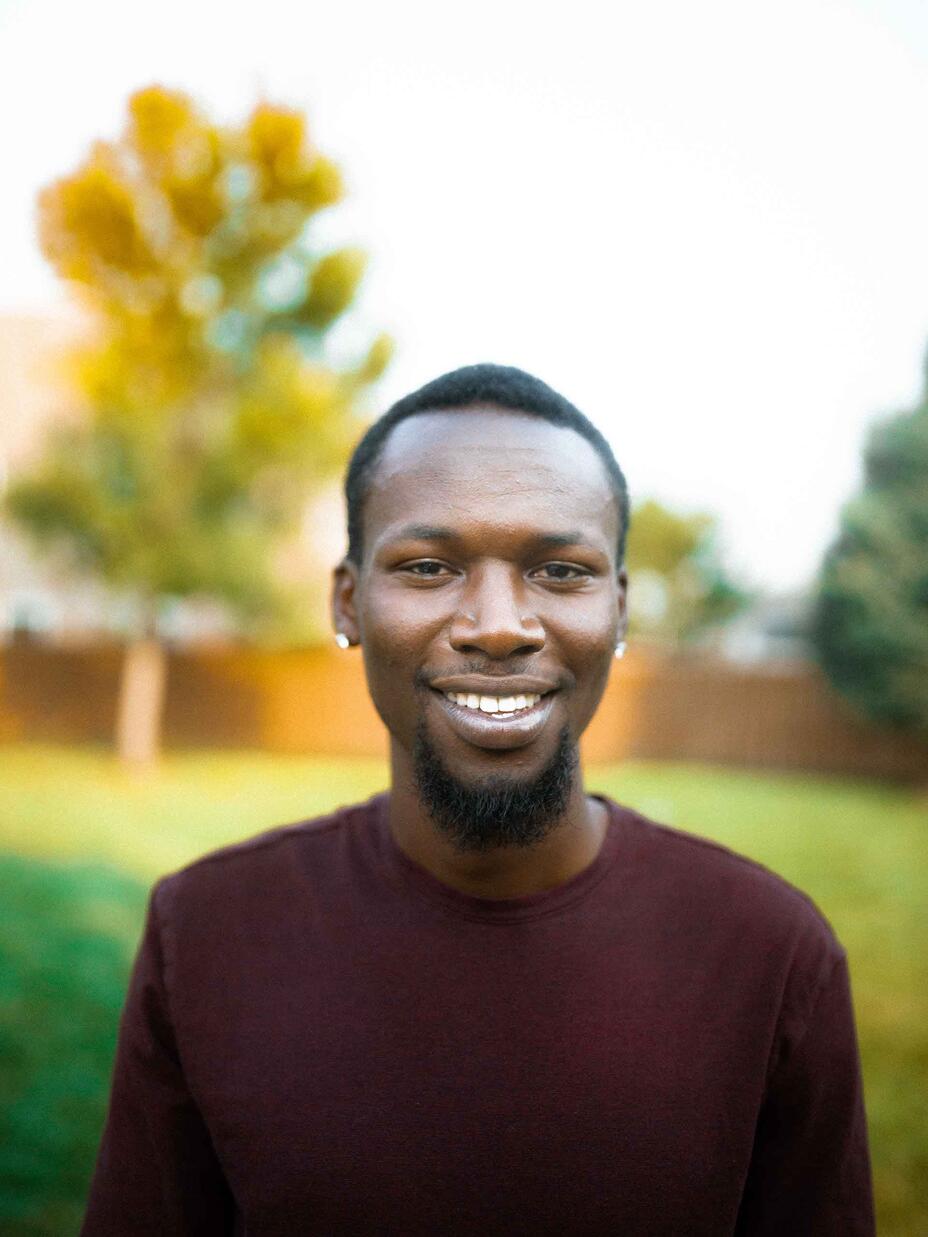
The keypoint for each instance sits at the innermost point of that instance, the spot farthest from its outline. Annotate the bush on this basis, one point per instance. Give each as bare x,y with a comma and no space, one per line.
67,937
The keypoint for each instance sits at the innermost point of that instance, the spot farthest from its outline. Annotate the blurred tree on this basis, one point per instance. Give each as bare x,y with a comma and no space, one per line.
210,412
870,624
679,586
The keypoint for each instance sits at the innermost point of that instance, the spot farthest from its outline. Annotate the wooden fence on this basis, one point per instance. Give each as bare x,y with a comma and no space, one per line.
676,708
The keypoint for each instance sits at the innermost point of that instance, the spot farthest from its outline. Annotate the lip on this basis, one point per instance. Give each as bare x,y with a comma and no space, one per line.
490,730
491,685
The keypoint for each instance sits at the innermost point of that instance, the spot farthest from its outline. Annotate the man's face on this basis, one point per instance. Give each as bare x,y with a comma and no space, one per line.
489,602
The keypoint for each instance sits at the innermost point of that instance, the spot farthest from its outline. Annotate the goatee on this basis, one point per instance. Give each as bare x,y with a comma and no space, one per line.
499,810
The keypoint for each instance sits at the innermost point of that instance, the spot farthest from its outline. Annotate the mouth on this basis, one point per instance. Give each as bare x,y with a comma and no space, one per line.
501,707
496,722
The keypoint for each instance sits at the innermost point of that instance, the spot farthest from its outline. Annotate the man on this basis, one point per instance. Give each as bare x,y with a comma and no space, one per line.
486,1003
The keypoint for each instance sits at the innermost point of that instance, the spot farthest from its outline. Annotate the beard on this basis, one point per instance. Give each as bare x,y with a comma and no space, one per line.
499,810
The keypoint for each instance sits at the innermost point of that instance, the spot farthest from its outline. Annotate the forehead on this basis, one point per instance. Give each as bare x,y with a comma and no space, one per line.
488,468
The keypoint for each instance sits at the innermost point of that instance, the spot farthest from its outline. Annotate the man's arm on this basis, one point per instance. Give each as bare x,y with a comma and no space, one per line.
810,1170
157,1172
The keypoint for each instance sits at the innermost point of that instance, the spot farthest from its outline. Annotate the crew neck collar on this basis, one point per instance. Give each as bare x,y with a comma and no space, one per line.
423,884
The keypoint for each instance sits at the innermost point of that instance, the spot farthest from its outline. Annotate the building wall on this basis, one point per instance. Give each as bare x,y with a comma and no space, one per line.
315,701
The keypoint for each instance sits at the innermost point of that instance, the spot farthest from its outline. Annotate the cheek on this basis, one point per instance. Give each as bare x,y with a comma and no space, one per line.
587,646
400,624
588,634
591,686
397,633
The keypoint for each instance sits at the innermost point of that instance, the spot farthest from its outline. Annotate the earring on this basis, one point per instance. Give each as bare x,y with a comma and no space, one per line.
620,649
342,640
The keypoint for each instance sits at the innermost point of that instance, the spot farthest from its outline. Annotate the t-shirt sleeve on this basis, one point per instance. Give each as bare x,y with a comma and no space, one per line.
810,1169
156,1172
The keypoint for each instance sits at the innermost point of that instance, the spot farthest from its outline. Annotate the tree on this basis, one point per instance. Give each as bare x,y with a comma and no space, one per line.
210,411
870,623
679,586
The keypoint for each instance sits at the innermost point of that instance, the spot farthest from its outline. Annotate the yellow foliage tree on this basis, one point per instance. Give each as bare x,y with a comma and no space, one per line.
210,409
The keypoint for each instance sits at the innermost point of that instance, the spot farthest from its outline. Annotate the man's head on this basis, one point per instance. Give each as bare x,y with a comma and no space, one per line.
472,386
484,582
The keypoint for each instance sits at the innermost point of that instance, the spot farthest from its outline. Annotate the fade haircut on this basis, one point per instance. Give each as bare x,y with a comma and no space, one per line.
472,386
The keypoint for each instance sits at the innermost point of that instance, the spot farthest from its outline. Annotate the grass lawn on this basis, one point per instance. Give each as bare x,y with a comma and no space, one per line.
856,847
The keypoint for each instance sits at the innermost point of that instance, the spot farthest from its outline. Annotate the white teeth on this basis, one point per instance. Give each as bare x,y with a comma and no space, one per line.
494,704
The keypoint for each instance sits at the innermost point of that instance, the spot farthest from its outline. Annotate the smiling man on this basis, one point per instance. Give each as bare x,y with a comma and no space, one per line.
486,1002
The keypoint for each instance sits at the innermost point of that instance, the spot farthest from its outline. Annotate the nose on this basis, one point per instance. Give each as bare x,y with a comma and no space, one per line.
492,617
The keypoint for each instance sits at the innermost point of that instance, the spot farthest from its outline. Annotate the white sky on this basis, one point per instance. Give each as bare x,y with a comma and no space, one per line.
704,222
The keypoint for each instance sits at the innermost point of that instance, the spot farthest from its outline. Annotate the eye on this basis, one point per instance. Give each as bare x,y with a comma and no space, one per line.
425,569
562,573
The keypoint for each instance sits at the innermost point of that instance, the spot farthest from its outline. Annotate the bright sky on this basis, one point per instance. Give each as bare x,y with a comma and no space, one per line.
706,224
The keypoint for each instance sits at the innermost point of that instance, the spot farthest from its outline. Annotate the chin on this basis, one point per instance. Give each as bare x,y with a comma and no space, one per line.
501,805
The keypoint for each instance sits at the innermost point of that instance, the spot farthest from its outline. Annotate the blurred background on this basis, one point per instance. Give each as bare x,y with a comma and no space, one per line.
229,238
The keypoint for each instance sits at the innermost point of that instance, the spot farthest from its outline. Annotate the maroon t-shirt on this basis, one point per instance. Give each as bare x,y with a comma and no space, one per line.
322,1038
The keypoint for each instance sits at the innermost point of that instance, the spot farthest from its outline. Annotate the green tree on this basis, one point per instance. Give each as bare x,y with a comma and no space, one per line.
678,583
870,623
209,410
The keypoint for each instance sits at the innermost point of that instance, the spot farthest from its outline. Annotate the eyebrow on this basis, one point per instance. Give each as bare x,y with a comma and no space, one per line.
425,532
436,532
574,537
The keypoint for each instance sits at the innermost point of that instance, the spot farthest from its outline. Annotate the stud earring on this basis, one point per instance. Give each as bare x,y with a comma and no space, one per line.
342,640
620,649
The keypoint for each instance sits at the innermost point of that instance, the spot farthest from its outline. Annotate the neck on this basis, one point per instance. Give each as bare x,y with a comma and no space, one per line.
571,844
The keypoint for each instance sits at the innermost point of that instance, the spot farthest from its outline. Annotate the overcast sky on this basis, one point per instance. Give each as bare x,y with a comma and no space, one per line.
704,223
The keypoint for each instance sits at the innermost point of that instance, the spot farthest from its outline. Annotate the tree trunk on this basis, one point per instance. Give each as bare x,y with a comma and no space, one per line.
141,700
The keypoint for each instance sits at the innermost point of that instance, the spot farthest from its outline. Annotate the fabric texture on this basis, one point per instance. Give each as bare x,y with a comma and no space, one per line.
322,1038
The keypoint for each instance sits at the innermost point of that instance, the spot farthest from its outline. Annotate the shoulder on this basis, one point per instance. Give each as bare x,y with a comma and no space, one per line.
706,888
703,871
263,866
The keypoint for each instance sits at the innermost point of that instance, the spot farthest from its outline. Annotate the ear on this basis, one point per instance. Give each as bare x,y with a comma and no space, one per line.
622,578
344,592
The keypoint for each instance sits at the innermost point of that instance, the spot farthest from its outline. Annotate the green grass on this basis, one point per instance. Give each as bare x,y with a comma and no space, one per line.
856,847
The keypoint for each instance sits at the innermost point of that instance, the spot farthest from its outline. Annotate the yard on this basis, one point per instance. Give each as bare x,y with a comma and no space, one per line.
80,840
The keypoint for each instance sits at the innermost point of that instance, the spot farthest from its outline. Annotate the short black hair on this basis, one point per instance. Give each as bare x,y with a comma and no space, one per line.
502,386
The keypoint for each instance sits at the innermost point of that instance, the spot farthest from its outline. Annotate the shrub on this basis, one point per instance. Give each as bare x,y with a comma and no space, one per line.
67,936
